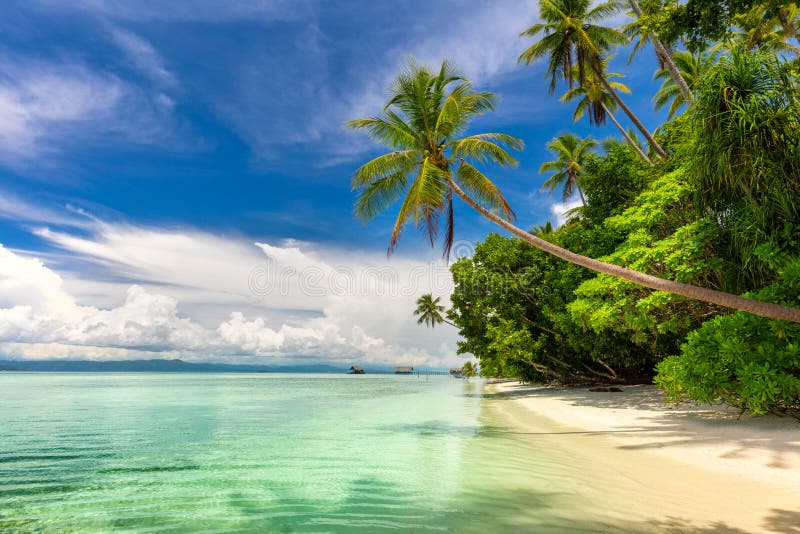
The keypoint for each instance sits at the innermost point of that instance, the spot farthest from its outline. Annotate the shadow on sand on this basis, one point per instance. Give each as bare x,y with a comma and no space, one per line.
682,424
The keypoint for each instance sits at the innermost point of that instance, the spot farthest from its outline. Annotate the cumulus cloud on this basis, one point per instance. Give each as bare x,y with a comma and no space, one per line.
202,296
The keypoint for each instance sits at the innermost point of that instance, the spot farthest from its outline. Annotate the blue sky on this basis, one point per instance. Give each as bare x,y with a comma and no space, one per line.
153,145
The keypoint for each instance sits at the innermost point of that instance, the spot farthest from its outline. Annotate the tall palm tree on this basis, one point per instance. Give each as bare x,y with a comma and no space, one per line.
570,153
571,36
593,98
666,59
692,67
430,311
428,163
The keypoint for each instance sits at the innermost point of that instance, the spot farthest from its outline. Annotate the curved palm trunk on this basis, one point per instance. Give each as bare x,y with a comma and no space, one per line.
630,141
728,300
666,57
580,194
656,147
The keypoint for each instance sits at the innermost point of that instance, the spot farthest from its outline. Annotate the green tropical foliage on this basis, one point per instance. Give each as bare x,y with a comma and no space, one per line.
719,210
704,217
741,359
543,230
767,28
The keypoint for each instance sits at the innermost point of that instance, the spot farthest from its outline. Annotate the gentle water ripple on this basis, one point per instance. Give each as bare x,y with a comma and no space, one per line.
237,453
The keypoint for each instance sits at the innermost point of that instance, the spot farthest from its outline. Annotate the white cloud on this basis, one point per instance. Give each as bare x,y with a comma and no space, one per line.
20,210
207,297
187,10
561,209
483,40
39,98
143,56
286,98
327,89
47,107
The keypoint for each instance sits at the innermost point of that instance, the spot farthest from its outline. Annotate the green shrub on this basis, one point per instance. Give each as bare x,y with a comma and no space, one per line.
741,359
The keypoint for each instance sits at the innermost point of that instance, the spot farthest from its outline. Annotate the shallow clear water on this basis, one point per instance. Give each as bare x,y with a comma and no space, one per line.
270,452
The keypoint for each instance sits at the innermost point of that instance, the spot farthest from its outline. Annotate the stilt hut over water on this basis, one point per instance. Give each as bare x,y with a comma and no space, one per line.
403,370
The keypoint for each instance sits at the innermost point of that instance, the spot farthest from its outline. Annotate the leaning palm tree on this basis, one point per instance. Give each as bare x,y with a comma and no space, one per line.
430,311
692,67
571,36
570,152
597,103
429,162
426,113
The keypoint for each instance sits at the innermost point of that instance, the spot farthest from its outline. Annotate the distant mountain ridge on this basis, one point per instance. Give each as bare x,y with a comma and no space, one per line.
162,366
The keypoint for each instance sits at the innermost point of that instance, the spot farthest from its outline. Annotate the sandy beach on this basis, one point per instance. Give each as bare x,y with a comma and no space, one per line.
691,468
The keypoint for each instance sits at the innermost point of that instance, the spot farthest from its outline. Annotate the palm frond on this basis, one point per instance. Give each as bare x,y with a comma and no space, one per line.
481,148
375,197
483,190
423,202
391,163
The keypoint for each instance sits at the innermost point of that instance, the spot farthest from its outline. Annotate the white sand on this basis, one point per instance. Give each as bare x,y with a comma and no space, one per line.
690,468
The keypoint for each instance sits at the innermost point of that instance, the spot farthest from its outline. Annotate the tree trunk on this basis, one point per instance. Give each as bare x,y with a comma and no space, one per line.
580,194
656,147
666,57
728,300
630,141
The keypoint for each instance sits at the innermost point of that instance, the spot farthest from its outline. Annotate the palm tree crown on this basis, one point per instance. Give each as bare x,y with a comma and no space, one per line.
571,37
692,67
430,311
570,152
593,97
422,123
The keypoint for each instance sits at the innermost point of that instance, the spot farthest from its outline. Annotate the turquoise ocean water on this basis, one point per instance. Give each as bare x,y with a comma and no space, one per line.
270,453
